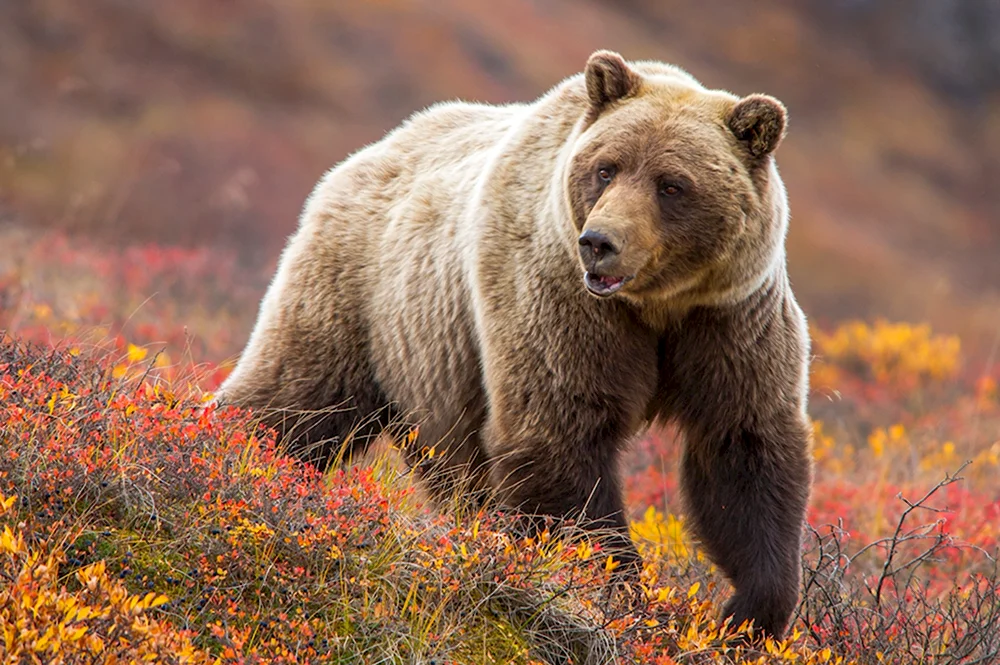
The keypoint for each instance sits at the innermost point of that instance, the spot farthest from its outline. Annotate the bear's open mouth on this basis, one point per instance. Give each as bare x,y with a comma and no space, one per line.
603,285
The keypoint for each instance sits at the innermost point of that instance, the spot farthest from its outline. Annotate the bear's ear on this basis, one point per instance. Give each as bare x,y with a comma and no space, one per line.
609,78
759,122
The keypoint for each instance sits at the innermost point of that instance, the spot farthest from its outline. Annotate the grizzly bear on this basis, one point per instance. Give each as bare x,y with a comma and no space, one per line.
533,285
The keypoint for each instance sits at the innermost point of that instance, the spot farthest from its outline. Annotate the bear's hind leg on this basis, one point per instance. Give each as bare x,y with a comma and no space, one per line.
315,386
318,425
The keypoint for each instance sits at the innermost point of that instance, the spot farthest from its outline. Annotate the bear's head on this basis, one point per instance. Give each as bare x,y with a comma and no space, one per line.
672,188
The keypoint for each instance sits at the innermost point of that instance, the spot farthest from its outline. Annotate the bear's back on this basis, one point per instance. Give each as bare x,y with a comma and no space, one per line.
447,140
384,230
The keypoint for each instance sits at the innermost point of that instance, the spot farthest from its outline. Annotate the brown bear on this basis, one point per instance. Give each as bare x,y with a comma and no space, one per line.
533,284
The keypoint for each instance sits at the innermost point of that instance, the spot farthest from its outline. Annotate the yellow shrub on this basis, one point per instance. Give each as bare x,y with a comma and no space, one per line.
661,537
43,622
889,352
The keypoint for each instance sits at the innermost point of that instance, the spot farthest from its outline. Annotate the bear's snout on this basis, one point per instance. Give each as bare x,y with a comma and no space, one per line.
597,248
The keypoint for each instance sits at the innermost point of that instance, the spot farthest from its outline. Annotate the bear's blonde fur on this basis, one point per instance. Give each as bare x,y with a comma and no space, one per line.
440,277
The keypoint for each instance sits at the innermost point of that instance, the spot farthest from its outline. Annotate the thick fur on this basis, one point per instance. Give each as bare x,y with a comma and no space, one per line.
437,279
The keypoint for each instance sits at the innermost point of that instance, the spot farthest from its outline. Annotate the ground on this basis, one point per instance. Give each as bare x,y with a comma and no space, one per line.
133,524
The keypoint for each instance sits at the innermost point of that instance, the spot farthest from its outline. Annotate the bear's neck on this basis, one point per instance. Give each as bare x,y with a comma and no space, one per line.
669,313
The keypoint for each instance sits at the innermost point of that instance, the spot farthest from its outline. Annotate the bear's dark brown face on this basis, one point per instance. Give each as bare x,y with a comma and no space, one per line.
671,185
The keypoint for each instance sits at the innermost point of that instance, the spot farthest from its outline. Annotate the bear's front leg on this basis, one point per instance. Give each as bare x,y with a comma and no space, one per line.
746,492
736,382
563,404
566,480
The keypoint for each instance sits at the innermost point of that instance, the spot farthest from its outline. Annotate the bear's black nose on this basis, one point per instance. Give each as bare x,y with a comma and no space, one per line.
595,246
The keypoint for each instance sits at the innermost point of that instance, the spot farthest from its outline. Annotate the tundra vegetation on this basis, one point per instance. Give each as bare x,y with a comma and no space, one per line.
136,526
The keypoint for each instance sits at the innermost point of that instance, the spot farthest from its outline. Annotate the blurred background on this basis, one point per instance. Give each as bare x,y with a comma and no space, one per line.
205,123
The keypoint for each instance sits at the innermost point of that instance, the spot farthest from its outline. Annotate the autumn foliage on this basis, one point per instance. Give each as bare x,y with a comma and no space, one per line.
137,526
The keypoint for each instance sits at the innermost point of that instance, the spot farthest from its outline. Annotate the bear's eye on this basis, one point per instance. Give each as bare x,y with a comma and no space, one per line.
606,174
670,190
